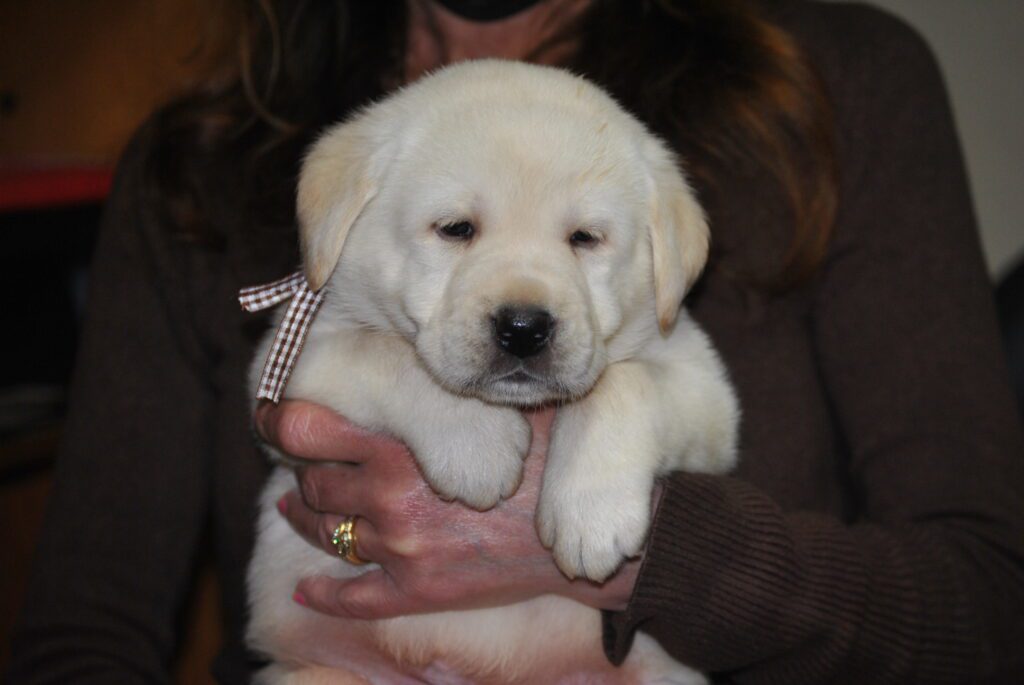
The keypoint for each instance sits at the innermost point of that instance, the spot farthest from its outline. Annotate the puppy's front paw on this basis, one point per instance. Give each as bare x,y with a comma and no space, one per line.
477,457
592,523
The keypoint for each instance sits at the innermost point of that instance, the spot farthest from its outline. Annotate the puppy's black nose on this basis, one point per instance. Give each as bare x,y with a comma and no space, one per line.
523,331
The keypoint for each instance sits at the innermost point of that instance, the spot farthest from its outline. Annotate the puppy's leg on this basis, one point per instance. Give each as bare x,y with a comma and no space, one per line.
653,666
468,450
669,408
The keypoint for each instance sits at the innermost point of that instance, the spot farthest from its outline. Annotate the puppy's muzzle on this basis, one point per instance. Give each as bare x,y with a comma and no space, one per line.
522,331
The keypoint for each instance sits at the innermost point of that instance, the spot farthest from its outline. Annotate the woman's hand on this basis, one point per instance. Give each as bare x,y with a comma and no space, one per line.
433,555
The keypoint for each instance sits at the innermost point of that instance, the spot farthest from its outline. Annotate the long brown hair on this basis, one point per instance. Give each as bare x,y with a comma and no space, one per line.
716,78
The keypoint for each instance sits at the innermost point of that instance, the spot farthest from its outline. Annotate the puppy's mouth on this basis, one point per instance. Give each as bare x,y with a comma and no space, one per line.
518,389
520,385
519,376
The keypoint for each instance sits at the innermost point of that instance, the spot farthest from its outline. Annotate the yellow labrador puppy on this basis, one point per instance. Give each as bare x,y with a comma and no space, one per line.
499,236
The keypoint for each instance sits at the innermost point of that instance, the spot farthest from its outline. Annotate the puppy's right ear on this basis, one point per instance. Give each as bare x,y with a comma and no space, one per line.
340,175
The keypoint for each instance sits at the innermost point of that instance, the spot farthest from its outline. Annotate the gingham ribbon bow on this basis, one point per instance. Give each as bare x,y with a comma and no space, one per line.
291,333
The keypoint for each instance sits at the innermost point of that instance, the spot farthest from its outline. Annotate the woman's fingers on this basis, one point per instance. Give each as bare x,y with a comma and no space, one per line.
378,489
373,595
318,529
335,489
312,431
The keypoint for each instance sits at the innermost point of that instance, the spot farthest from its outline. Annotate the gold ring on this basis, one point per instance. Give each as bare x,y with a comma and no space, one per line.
344,540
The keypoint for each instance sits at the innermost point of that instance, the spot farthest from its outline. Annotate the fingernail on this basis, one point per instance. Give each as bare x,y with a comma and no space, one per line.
300,598
259,422
282,505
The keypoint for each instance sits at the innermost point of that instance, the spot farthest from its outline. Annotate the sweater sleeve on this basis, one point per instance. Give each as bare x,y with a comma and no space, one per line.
128,504
926,583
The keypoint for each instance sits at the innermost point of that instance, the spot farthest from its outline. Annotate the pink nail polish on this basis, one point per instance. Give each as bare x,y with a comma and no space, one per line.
299,598
282,505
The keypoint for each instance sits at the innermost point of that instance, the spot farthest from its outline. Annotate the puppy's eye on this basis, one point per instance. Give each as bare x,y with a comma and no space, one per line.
583,239
459,230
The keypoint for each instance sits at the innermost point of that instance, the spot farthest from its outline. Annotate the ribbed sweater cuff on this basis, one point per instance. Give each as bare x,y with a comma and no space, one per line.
729,583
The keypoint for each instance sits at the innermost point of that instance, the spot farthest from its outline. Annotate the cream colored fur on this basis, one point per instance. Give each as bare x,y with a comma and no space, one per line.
403,344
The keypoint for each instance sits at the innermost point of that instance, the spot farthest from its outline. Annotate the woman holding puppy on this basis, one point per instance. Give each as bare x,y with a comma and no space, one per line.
874,530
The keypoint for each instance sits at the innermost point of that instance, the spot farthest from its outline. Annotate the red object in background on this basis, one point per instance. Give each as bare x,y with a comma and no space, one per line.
30,188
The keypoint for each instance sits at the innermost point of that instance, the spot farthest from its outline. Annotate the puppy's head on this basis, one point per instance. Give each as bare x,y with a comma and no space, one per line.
511,221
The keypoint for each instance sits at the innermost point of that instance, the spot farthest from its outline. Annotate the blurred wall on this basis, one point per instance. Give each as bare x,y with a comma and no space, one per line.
77,77
980,46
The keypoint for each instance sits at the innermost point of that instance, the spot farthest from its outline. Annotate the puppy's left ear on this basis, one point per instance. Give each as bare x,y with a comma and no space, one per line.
340,175
679,234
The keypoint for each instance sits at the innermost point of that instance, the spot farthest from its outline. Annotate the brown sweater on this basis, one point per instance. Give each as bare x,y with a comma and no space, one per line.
874,532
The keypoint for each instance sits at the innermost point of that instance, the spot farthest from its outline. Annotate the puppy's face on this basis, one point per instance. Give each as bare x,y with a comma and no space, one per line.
511,221
524,254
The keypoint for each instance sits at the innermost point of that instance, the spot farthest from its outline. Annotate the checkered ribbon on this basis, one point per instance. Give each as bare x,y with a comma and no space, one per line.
291,333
